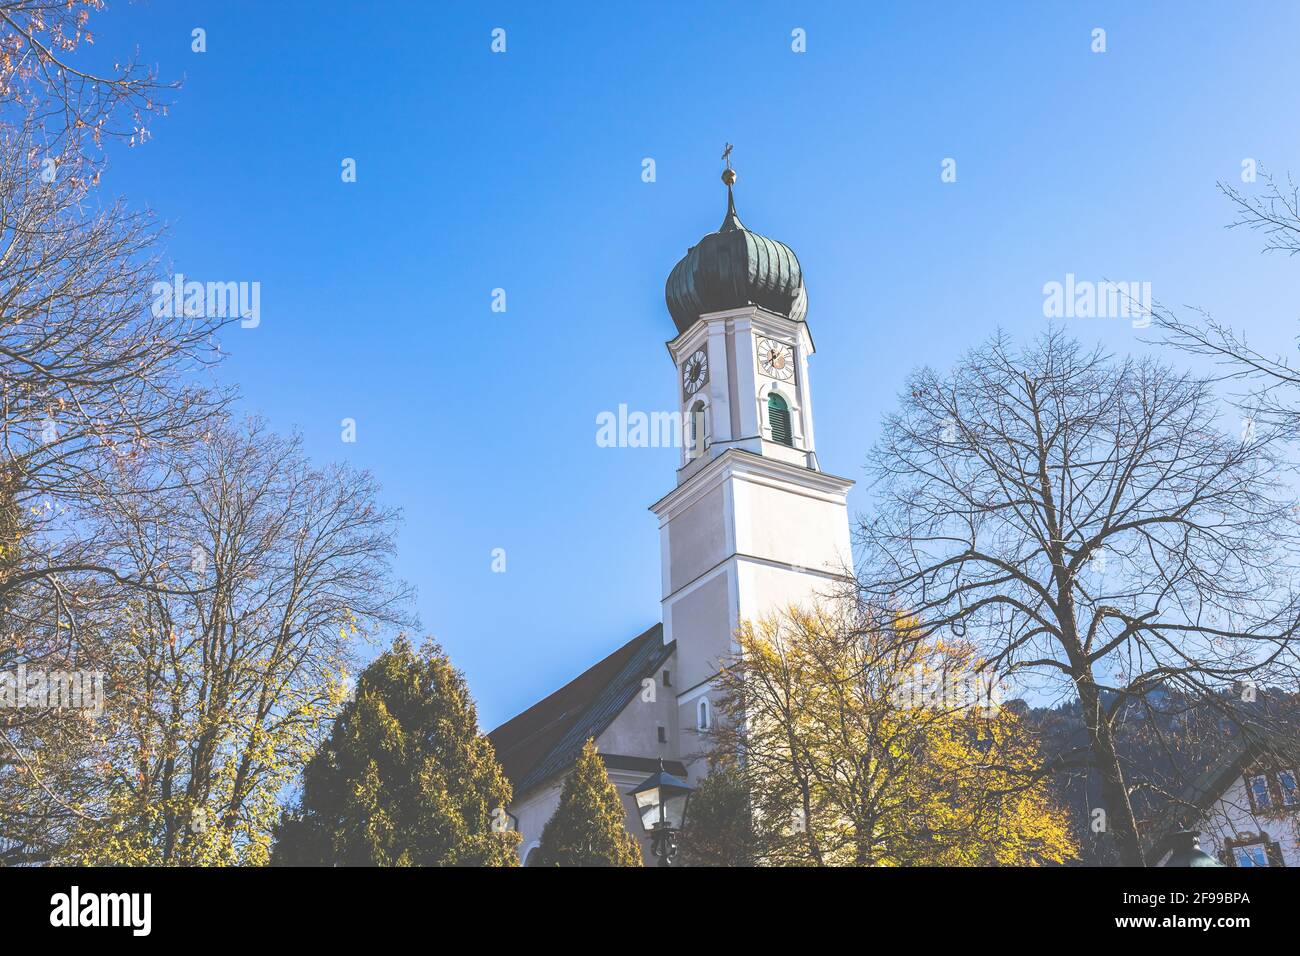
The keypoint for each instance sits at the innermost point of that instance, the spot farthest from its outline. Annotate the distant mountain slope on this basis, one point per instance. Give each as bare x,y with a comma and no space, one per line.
1166,743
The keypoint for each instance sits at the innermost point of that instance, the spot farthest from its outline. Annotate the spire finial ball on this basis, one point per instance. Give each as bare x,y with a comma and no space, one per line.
729,176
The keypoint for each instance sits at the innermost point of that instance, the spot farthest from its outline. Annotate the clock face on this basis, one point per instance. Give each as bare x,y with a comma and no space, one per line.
695,372
776,359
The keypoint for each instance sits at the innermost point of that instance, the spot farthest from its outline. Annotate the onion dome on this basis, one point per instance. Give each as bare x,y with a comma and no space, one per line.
734,267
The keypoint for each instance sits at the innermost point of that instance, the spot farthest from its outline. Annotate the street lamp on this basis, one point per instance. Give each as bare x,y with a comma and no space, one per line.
661,800
1188,852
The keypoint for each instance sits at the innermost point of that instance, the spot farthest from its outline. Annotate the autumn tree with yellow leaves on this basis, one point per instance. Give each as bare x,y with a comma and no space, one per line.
217,578
93,385
227,674
857,744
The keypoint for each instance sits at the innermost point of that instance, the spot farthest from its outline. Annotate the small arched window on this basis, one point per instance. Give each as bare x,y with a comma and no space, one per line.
697,432
702,716
778,419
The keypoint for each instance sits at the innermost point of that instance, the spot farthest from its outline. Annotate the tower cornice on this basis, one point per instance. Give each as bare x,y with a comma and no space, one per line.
766,321
758,469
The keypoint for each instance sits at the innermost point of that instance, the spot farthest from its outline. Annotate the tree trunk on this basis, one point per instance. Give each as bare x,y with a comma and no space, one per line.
1120,821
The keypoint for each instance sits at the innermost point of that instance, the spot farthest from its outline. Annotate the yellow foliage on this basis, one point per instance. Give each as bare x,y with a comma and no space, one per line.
846,765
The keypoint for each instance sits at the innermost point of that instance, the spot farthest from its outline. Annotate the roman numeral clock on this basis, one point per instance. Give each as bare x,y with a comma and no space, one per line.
776,359
695,373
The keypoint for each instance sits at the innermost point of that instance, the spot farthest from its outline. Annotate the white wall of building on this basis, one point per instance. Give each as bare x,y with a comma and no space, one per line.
1231,819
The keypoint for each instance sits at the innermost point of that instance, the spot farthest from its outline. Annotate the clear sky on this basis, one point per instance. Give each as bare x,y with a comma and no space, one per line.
523,171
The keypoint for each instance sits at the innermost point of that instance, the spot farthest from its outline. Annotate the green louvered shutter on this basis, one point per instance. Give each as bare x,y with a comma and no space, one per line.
778,417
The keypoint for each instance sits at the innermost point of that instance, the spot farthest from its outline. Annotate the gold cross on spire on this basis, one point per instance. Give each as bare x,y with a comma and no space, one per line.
728,174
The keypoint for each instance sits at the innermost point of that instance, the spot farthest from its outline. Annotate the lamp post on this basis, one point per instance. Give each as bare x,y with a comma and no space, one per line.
1188,852
661,801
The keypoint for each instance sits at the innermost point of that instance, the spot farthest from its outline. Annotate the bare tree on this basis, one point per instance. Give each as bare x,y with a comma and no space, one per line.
1272,380
1084,522
92,381
76,108
263,573
90,376
1273,211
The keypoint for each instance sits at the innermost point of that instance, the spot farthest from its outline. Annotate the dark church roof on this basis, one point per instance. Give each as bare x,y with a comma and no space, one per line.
546,738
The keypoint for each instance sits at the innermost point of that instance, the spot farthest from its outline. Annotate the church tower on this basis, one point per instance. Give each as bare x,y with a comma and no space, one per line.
754,525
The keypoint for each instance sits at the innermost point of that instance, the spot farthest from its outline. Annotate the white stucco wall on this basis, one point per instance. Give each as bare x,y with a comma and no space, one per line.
702,621
532,813
761,534
635,731
699,540
792,526
1231,818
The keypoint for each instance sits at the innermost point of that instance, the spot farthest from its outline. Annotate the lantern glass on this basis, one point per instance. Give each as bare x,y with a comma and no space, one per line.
648,805
661,801
674,805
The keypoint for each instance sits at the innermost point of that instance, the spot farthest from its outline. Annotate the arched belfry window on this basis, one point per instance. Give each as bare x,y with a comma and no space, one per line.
702,715
778,419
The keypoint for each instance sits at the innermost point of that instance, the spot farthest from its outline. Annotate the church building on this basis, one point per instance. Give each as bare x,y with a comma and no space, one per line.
752,526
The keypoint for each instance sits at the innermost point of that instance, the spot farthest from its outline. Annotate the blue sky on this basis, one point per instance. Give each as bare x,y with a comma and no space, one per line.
522,171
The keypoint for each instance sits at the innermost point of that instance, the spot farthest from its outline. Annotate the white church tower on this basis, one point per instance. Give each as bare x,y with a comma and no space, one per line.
754,525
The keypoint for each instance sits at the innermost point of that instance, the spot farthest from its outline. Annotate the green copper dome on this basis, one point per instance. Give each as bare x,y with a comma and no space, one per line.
734,267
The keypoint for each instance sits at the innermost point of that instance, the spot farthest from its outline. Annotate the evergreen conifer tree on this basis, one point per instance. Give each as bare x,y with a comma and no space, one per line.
587,828
405,779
